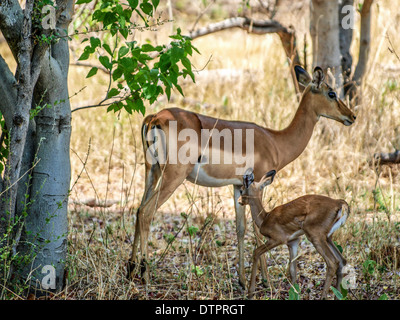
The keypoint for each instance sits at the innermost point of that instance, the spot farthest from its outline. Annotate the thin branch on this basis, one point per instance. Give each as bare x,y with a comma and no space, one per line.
89,65
391,48
202,14
260,27
252,26
102,104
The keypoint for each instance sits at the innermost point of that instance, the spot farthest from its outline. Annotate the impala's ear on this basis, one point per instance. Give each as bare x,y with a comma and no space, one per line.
248,178
302,76
318,76
267,179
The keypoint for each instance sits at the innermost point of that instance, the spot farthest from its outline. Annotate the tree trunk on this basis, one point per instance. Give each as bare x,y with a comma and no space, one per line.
353,86
324,30
365,39
51,176
345,38
42,197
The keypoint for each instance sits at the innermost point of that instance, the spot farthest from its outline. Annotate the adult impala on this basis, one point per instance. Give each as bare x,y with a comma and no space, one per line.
271,150
318,217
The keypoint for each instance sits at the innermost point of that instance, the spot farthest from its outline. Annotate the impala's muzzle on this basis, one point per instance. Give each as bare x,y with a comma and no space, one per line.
350,120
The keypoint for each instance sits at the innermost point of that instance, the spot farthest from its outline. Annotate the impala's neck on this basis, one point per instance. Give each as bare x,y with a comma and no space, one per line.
294,139
257,210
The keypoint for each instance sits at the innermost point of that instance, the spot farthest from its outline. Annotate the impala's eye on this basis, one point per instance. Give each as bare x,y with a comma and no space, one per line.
332,95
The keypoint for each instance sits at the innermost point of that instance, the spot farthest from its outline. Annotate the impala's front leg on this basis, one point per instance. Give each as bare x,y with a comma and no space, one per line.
293,249
240,231
263,261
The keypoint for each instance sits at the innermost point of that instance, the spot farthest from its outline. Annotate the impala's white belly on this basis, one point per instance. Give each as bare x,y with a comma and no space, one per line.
200,177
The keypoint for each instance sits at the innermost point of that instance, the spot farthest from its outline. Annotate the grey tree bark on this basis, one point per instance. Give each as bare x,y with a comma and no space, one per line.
43,192
365,39
345,39
324,31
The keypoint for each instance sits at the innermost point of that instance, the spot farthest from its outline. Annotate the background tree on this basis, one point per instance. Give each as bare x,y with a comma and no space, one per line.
36,130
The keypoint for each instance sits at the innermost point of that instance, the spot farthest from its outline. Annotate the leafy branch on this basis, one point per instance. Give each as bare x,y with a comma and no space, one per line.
138,73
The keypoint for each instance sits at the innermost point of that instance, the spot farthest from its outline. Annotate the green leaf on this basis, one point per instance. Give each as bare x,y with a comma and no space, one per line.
133,3
338,246
129,65
197,270
95,42
92,72
383,297
105,62
130,104
122,51
150,92
148,48
128,108
186,63
140,106
83,1
168,92
177,86
192,230
117,73
176,37
112,93
155,3
124,32
294,292
84,56
131,44
369,266
337,293
109,18
107,48
176,54
147,8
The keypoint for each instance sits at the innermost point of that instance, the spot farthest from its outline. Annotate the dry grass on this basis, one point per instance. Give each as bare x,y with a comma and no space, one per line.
203,266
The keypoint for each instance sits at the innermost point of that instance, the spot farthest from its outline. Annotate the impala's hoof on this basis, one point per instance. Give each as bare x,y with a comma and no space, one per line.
130,268
132,272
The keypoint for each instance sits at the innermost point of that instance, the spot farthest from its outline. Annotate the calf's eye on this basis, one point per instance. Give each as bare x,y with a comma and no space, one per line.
332,95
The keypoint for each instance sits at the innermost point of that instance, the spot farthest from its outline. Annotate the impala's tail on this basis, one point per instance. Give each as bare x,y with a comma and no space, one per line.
145,129
341,217
154,141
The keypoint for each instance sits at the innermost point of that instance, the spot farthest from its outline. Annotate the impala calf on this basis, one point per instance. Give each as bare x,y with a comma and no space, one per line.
272,150
318,217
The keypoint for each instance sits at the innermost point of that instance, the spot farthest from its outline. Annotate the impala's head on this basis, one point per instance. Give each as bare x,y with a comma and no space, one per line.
323,98
251,189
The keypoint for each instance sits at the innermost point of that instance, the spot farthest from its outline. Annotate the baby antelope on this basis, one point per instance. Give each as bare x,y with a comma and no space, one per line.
318,217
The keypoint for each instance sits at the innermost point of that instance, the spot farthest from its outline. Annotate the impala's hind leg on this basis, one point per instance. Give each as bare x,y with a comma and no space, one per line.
160,184
152,175
342,263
